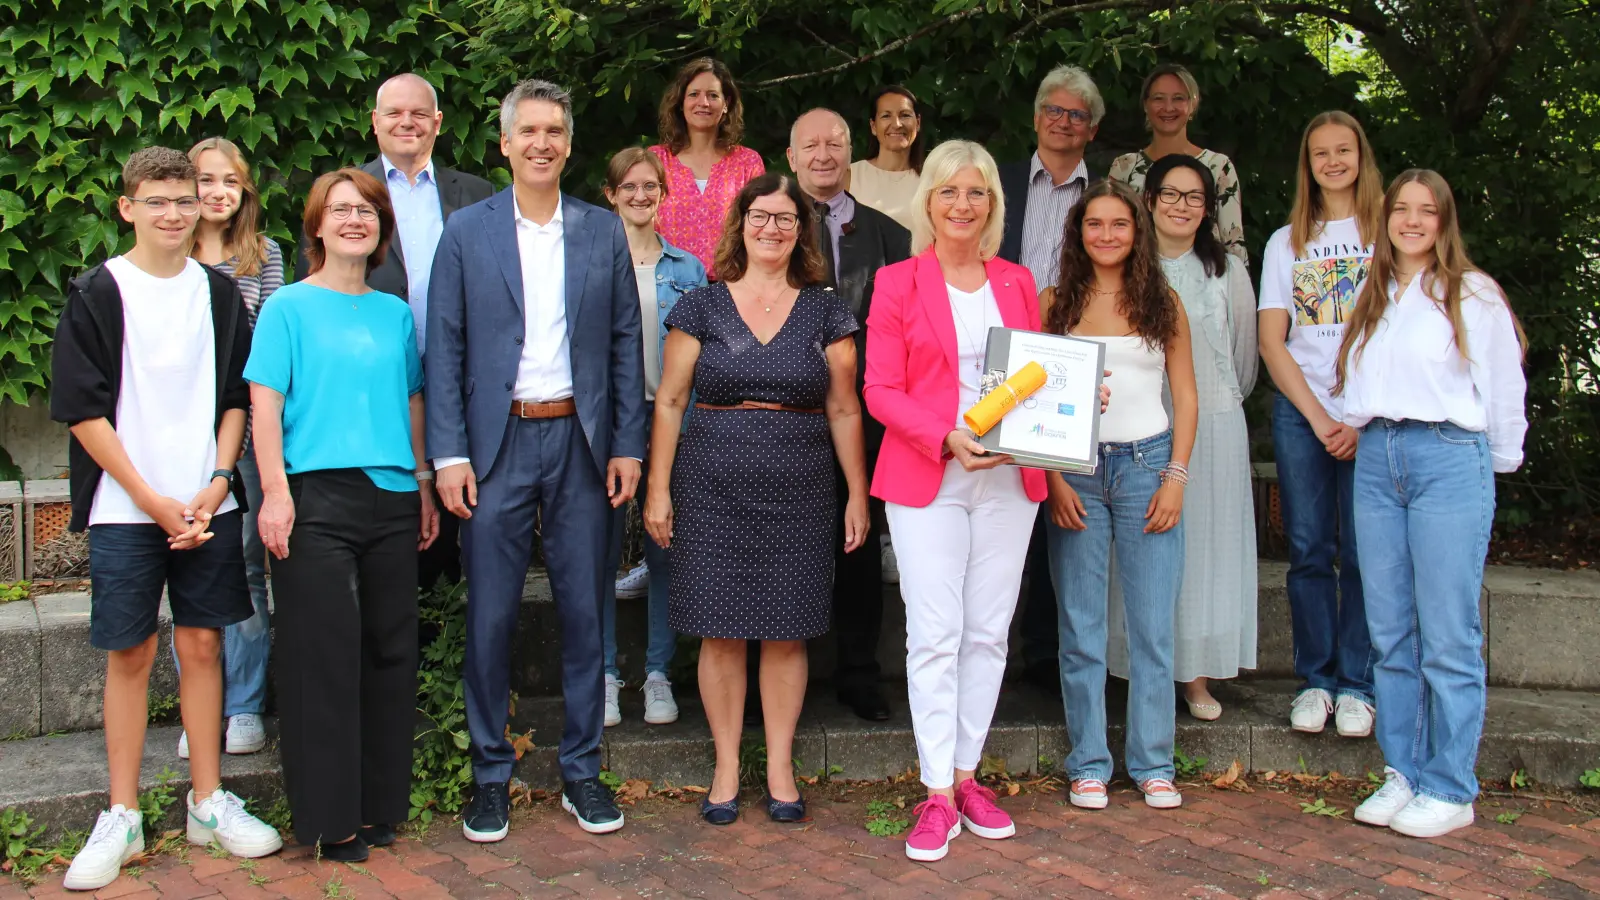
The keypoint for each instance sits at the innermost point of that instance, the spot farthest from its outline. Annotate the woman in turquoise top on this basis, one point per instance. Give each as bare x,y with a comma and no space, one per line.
336,388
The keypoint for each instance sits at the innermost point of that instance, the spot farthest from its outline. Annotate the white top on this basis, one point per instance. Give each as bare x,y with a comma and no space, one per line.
1318,289
1138,372
974,313
891,193
650,318
545,371
701,184
167,404
1412,369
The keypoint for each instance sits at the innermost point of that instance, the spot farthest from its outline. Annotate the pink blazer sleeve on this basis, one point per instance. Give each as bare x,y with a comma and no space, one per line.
893,302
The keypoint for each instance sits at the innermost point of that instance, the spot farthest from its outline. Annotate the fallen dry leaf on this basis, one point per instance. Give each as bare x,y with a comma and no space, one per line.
522,743
1226,779
633,790
1013,789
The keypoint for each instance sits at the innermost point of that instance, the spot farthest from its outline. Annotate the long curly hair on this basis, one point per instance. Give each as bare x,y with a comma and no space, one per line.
1147,300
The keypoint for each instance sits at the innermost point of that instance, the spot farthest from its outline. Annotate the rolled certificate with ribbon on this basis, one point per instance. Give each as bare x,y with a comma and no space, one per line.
987,413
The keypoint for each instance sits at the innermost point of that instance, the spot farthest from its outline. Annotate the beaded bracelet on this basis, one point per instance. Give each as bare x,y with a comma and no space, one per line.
1175,471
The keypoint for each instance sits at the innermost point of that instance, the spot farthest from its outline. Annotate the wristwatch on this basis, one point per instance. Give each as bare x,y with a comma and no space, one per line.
222,473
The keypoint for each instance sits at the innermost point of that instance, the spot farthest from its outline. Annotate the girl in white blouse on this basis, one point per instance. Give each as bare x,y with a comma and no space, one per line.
1431,374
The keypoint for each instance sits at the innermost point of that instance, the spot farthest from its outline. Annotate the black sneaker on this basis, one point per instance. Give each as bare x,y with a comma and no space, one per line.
488,816
593,804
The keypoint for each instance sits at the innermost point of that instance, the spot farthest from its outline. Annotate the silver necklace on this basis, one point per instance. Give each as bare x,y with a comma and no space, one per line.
983,329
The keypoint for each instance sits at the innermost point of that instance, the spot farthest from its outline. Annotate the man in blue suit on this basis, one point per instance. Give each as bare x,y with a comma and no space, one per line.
535,396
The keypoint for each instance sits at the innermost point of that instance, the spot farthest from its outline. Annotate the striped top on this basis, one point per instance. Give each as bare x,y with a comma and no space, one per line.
256,289
1046,215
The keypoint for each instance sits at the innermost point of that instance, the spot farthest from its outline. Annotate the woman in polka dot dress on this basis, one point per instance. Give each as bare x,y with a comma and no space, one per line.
745,504
702,120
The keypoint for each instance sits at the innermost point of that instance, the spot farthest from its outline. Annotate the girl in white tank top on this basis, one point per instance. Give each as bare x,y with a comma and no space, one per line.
1112,290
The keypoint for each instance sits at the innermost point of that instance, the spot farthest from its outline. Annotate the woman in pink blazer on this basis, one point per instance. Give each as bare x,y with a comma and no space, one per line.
960,517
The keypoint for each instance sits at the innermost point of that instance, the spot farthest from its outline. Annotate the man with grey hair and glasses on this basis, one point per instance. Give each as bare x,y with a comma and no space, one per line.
1040,191
535,416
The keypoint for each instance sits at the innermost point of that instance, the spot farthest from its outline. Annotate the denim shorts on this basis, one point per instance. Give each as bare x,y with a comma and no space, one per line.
130,564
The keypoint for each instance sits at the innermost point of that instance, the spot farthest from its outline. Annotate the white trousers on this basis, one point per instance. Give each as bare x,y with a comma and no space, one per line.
960,562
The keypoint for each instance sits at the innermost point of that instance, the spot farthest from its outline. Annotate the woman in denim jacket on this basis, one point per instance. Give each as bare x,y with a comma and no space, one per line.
635,185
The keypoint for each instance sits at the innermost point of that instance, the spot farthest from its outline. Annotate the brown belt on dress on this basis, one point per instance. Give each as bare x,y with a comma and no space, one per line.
759,404
555,409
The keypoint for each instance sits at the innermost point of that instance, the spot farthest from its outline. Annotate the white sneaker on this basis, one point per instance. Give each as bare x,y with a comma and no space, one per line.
1381,808
118,836
613,701
183,745
1427,817
659,706
891,565
1352,717
245,734
1310,711
221,817
635,584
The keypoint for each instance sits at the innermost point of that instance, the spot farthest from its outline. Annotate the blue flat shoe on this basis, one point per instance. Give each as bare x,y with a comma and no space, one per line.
724,813
786,811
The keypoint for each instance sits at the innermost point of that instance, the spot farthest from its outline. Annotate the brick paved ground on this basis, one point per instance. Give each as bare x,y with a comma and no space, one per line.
1221,844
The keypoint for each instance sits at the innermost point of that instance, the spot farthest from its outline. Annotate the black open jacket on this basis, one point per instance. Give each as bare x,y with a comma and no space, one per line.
86,368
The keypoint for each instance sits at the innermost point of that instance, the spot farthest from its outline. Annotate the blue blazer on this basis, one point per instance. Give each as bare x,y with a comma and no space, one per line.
475,332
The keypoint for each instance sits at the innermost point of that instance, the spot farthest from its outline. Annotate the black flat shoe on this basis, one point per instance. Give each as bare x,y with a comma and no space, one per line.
866,701
378,835
785,811
724,813
351,851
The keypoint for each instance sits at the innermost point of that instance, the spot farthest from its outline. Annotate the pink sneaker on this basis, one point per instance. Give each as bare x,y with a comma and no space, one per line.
979,813
937,823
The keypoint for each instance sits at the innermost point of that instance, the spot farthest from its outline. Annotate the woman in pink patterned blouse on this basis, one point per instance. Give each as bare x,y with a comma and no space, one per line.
702,120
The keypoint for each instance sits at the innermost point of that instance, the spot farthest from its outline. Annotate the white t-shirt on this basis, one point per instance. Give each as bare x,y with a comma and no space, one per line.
1318,289
974,313
650,319
167,404
1412,369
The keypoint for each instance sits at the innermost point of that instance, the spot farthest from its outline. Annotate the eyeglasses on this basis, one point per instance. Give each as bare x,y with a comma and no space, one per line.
628,188
975,196
758,218
1191,199
342,211
158,206
1054,113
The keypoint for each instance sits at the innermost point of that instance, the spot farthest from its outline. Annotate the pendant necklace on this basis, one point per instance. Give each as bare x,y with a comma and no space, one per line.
977,363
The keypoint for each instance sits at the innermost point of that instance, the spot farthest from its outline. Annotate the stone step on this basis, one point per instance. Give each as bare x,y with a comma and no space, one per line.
1553,735
1540,628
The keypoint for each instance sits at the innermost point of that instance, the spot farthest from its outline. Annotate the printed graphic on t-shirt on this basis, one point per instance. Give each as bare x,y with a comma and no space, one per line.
1325,289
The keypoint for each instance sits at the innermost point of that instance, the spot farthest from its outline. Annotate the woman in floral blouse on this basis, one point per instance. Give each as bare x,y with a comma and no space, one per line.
1171,97
702,120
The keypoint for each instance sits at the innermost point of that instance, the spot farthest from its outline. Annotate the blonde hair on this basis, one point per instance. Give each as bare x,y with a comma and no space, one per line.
942,165
1178,72
1309,212
1442,277
242,237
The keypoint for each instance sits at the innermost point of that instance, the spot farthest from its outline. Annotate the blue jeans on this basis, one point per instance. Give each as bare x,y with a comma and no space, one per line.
246,646
1425,497
1150,571
1332,649
662,641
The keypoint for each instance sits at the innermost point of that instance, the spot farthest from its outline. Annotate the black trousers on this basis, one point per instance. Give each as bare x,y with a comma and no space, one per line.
857,601
347,653
1041,641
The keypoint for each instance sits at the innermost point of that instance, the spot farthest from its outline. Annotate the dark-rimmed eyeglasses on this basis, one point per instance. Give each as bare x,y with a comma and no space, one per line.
1191,199
1054,113
758,218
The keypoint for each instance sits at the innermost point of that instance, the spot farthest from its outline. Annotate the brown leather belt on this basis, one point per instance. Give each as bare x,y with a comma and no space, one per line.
758,404
555,409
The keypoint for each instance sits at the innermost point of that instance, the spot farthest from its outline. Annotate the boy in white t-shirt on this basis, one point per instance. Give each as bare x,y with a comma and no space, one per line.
148,371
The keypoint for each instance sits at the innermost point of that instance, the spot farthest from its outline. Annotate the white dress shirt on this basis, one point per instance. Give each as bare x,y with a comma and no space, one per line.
1411,368
544,373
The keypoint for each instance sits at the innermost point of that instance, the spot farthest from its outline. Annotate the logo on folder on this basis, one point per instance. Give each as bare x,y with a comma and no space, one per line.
1066,409
1038,430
